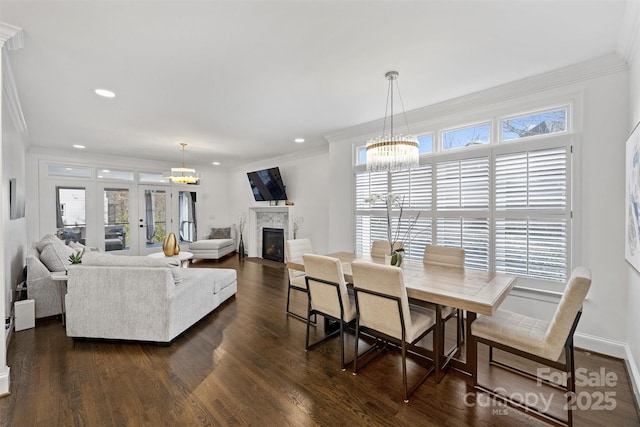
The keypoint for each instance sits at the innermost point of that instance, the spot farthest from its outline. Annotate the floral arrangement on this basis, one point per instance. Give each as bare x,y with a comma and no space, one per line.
297,223
391,201
242,220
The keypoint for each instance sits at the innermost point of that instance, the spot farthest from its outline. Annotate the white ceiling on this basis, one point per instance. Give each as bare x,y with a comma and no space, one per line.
239,80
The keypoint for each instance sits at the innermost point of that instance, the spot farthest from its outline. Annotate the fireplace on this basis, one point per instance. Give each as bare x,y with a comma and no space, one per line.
273,244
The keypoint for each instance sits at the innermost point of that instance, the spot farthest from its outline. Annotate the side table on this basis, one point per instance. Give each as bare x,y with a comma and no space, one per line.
184,257
61,278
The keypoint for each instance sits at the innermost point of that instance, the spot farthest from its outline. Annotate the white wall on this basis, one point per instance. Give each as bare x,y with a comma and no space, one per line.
12,142
599,90
306,177
15,230
631,276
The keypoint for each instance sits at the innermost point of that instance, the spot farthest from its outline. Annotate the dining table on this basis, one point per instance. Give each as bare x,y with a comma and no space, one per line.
475,291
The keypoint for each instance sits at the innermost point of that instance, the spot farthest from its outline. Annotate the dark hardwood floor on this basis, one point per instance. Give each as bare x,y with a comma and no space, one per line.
245,364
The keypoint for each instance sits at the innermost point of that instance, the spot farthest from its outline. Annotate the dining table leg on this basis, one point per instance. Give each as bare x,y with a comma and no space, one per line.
438,350
472,351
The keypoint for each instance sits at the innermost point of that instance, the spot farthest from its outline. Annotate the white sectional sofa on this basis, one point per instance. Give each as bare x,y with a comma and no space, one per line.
141,298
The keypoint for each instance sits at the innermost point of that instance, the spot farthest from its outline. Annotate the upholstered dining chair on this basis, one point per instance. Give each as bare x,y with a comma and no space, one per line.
328,297
538,340
380,248
444,256
383,310
294,249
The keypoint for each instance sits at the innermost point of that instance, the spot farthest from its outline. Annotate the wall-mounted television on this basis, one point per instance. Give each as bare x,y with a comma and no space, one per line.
267,184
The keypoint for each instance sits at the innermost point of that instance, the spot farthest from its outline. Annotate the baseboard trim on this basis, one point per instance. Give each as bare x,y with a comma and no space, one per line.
601,345
634,376
614,349
4,381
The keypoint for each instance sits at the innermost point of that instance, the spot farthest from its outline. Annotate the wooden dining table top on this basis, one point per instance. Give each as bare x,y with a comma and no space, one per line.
472,290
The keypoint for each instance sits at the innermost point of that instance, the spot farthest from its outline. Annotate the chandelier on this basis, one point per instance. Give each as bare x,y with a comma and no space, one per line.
390,152
183,175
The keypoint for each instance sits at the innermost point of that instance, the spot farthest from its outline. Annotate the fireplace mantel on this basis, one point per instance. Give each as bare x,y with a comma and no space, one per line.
266,216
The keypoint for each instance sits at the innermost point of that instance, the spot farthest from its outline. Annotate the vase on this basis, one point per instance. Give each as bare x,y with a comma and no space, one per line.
241,249
170,245
395,258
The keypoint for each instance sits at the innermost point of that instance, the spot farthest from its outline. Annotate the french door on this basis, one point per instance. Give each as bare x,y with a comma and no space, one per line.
154,217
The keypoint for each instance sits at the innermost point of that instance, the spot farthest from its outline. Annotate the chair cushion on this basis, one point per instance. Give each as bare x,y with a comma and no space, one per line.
220,233
56,256
421,319
514,330
211,244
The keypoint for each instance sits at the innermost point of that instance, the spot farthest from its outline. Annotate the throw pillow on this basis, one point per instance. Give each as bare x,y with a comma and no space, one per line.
56,257
48,238
220,233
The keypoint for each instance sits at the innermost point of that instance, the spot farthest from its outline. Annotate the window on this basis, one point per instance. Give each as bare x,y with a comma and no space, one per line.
507,205
69,171
532,213
116,175
187,216
466,137
546,122
116,219
71,213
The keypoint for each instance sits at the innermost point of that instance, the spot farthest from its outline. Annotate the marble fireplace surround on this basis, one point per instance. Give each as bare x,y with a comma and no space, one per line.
267,216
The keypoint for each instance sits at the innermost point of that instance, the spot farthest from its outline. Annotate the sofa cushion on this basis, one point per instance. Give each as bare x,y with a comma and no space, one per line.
48,238
220,233
79,246
56,256
109,260
224,278
211,244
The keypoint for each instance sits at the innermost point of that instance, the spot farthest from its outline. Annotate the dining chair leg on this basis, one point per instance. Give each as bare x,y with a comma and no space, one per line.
404,371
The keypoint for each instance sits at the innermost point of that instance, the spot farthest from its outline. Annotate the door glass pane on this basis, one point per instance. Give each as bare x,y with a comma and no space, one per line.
70,213
116,219
155,217
187,216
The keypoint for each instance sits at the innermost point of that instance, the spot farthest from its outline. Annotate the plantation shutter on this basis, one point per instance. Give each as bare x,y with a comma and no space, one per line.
532,213
463,198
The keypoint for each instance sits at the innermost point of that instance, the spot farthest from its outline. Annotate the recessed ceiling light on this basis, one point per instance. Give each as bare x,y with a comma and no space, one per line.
68,169
104,92
78,146
105,170
298,140
216,163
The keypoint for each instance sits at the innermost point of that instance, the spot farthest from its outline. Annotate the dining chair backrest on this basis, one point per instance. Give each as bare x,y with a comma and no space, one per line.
570,304
324,297
444,256
380,248
375,312
294,249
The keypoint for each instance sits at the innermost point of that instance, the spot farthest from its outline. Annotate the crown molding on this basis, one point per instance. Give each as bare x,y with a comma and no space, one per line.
11,100
11,36
628,36
575,73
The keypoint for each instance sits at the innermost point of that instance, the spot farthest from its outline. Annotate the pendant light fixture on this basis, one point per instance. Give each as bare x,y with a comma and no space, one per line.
390,152
183,175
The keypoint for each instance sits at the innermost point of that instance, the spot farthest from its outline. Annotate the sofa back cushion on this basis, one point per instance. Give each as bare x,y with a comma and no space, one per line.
109,260
220,233
55,256
47,239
